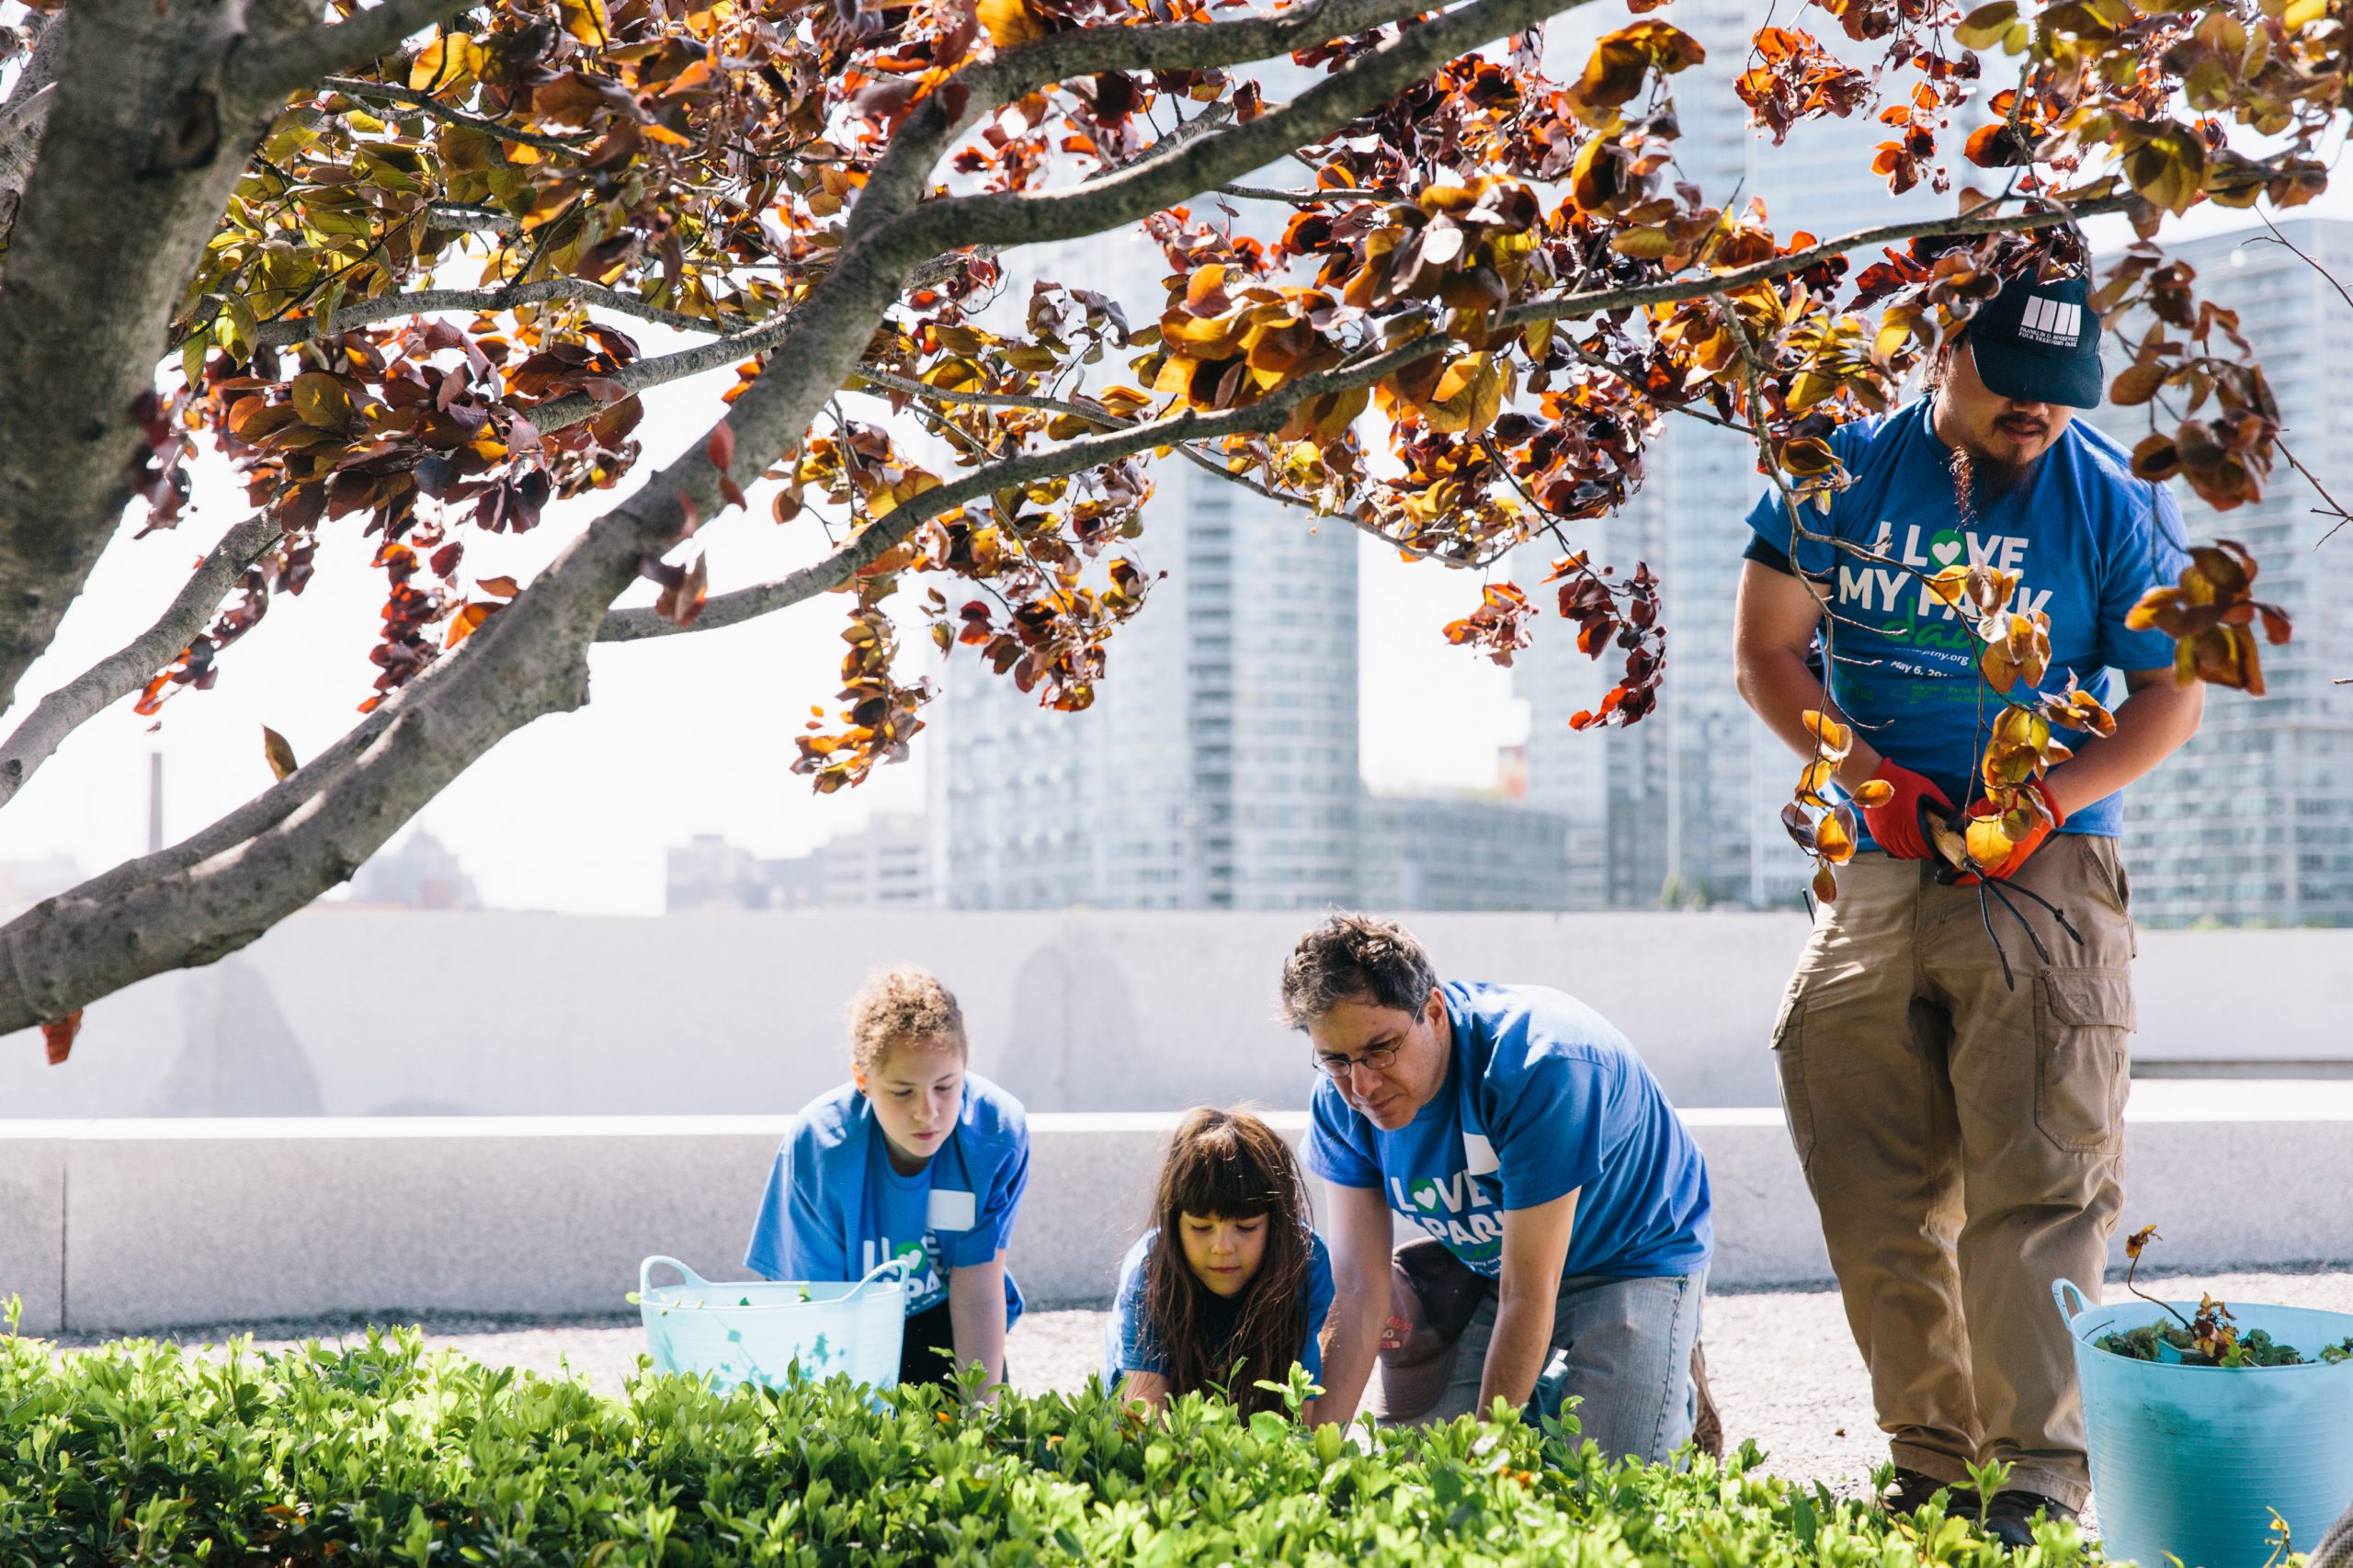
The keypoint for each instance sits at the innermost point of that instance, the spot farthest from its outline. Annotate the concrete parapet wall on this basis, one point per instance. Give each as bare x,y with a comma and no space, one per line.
148,1224
545,1014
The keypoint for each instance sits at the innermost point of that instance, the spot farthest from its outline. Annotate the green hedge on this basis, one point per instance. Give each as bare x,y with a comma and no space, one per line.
382,1453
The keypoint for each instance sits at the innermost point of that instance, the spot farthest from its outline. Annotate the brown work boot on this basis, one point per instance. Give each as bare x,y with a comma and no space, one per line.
1914,1490
1708,1429
2010,1517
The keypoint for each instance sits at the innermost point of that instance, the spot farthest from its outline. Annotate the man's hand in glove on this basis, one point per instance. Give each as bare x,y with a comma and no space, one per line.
1894,822
1986,835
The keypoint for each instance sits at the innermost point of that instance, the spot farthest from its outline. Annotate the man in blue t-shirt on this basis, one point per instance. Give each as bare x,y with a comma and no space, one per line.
1952,1054
1568,1207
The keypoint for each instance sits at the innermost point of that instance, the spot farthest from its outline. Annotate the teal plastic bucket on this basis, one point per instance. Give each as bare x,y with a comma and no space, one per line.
761,1331
2191,1461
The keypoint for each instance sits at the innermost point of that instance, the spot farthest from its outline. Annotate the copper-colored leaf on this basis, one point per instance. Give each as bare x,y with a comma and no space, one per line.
57,1035
1834,837
1988,844
277,751
1832,739
469,620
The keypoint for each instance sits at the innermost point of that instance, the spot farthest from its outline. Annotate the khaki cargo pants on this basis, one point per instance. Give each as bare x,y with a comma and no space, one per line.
1964,1143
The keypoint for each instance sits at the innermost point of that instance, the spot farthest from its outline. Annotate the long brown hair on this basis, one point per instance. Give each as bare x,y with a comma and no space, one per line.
1231,1164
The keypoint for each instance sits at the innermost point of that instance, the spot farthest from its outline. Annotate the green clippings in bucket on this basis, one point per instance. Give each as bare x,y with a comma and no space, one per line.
2160,1342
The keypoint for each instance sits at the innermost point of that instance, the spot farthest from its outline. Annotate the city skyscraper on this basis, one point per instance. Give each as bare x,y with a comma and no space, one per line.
1218,767
1684,804
2253,820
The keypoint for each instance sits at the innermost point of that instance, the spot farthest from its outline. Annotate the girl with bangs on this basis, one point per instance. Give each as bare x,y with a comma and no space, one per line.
1244,1293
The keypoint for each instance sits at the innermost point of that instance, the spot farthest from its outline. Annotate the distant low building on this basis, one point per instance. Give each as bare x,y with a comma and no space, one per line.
708,872
885,865
1468,852
423,873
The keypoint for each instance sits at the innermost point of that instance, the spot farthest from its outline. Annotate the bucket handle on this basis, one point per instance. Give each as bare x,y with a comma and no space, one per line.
896,1267
645,1273
2060,1291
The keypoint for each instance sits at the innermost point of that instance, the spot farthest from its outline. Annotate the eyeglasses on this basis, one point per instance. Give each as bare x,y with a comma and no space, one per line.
1381,1058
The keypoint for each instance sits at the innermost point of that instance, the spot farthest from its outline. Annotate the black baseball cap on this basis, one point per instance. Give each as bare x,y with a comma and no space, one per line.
2039,342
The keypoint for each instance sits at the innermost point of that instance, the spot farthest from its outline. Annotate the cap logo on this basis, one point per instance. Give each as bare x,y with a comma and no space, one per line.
2058,322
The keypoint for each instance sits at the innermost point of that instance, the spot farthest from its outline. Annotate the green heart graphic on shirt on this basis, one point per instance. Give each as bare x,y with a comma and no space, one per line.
1947,547
1424,1194
911,1252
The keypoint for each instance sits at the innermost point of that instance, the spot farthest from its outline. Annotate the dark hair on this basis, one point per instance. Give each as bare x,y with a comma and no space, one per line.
1354,958
1232,1165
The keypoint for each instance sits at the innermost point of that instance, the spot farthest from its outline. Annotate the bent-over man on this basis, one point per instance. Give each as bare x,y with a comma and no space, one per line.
1566,1208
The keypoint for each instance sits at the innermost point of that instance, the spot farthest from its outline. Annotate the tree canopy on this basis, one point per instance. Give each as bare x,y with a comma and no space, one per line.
388,260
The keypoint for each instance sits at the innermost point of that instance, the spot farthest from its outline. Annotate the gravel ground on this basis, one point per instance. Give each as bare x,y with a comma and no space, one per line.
1783,1368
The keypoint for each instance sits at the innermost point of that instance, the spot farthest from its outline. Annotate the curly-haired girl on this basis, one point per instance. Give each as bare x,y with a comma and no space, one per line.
915,1158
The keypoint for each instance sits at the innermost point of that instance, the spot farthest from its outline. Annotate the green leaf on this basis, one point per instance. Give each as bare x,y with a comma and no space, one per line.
1986,26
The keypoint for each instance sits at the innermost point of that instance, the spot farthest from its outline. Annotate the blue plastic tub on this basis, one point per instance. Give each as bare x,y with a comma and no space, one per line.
2191,1461
762,1331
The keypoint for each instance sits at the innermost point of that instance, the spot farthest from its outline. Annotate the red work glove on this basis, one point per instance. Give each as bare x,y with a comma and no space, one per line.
1894,822
2021,853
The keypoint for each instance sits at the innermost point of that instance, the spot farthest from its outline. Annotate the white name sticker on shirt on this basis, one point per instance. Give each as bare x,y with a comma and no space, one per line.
1478,1155
951,1210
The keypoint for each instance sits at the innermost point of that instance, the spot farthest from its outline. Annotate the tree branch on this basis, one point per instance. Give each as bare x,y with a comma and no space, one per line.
839,568
487,220
389,93
128,668
1176,46
1311,198
288,64
1598,300
256,816
388,307
1094,413
531,658
211,895
562,413
1010,218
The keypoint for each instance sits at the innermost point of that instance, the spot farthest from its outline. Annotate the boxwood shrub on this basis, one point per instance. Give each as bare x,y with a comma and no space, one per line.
137,1452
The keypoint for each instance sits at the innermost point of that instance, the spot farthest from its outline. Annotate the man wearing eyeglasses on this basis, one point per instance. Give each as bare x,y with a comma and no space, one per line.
1565,1207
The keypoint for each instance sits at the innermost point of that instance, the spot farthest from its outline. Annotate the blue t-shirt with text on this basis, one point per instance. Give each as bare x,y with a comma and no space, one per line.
1542,1097
1130,1344
2086,538
835,1207
898,1223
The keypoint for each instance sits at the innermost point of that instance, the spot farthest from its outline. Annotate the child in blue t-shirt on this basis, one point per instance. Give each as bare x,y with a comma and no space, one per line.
915,1158
1243,1292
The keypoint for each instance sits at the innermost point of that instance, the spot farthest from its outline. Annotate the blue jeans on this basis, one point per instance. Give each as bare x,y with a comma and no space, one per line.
1628,1349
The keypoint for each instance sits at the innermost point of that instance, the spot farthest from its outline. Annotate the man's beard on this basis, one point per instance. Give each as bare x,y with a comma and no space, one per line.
1979,480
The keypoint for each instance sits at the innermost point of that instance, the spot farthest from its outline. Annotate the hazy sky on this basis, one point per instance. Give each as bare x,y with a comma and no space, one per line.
682,735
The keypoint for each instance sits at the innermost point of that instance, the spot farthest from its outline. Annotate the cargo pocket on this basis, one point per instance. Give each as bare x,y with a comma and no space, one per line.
1788,1064
2082,1017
